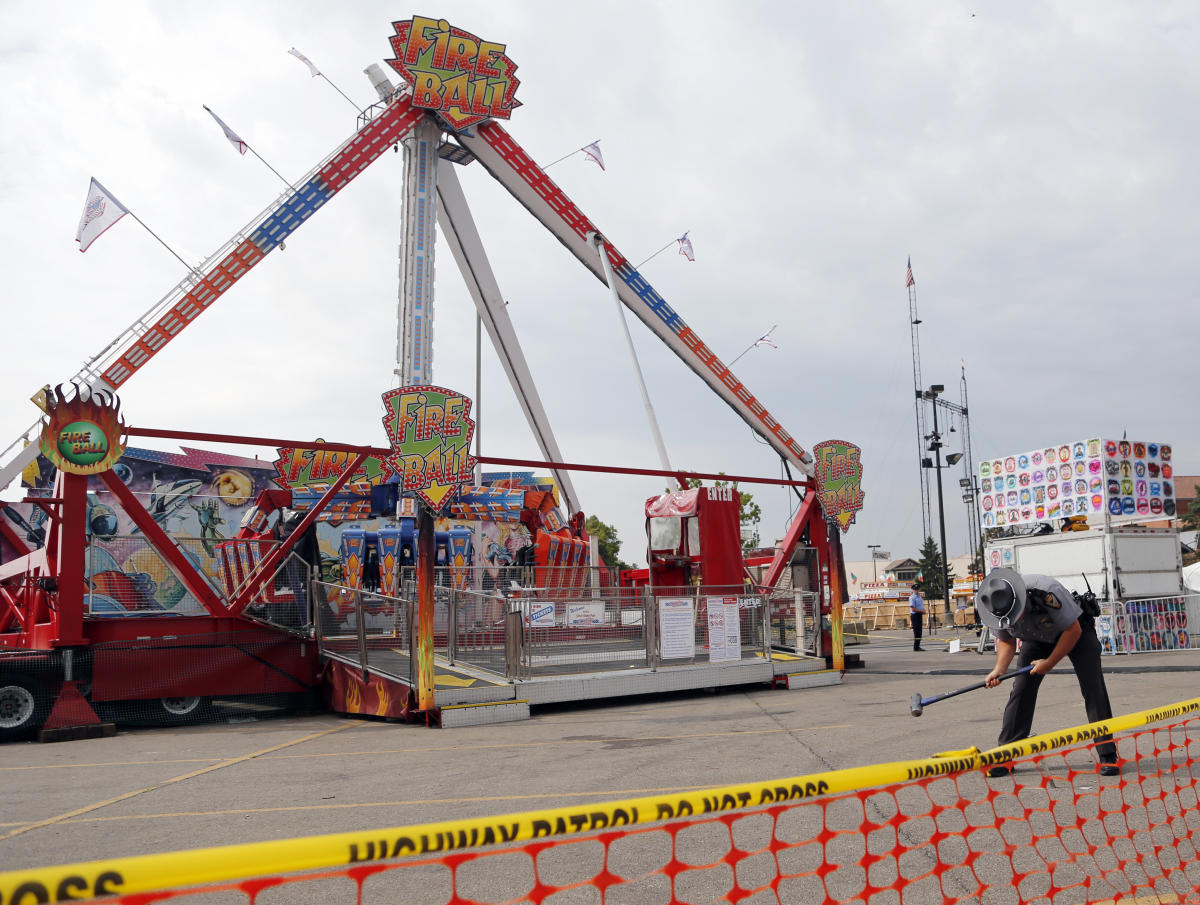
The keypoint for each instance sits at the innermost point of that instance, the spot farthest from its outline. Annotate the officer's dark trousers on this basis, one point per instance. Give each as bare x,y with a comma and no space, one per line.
1085,658
918,622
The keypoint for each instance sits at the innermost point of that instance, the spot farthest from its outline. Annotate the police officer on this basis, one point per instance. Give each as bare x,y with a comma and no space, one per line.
1050,624
916,615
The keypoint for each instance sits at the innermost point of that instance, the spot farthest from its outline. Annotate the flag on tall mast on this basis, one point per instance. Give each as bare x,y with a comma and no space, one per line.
100,211
908,278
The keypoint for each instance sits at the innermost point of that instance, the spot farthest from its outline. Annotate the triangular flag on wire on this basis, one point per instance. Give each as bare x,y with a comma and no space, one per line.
685,247
100,212
306,61
765,339
233,137
593,153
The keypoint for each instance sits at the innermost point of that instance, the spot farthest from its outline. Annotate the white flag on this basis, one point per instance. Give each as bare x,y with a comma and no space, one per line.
593,153
306,61
765,339
229,133
685,247
101,211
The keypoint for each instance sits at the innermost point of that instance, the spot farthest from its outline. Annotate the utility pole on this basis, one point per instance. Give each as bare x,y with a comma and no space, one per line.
935,447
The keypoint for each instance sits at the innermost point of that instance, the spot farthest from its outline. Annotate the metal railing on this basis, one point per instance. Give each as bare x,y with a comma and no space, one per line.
796,622
1149,624
519,633
363,628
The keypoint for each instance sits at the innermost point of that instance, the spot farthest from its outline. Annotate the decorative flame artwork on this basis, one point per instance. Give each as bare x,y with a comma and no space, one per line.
83,434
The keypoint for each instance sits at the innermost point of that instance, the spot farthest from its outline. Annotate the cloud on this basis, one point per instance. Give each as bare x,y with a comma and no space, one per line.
1034,161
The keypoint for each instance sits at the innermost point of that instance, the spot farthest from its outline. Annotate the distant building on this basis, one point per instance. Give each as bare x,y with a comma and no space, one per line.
901,570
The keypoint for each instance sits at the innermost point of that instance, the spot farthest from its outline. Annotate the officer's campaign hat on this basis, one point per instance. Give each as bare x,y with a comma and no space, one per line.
1001,599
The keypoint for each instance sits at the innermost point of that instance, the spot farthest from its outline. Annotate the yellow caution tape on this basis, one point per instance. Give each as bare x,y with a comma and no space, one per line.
174,870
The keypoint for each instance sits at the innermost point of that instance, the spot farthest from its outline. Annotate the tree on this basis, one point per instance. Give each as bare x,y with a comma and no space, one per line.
749,512
607,542
1190,521
931,570
977,565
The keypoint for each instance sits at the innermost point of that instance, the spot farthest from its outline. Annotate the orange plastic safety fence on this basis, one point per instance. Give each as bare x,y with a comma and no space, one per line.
1055,831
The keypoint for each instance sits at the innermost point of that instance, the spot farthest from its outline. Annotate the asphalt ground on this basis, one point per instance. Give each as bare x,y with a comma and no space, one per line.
164,789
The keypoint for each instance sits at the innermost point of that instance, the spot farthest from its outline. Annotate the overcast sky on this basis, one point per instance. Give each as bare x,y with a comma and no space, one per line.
1036,160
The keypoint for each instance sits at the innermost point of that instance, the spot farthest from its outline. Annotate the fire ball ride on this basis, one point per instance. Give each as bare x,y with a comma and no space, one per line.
71,650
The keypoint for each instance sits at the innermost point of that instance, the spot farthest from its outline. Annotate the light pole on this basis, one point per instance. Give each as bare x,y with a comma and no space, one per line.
873,548
935,447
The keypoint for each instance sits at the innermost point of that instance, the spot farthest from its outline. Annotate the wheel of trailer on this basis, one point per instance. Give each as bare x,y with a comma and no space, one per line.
24,704
177,711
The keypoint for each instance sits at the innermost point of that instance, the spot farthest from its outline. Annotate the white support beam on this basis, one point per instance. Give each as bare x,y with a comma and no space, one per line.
458,227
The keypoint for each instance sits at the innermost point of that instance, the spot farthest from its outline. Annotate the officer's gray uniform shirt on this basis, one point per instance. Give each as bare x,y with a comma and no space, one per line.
1048,622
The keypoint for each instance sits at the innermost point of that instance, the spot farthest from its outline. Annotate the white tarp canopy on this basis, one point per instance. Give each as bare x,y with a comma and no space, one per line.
1191,578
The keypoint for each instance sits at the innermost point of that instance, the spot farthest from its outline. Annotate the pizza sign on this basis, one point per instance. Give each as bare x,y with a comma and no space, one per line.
839,480
453,72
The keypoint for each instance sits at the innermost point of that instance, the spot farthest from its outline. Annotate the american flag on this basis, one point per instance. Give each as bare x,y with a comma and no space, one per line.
685,247
908,277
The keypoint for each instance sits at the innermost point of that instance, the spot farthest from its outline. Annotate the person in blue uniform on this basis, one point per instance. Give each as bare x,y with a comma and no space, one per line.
916,615
1044,616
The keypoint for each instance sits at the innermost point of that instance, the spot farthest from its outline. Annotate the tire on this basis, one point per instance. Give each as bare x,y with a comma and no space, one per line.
180,711
24,705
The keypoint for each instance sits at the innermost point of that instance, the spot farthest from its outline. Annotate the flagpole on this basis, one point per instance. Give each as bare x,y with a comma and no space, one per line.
268,166
342,93
242,146
561,159
316,72
572,154
656,254
752,345
190,268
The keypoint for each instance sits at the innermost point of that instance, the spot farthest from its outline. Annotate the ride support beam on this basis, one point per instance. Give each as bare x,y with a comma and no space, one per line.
783,556
458,227
380,452
10,612
424,636
837,591
71,551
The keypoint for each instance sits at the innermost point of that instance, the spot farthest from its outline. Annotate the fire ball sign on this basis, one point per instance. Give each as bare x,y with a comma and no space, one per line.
431,434
83,434
839,480
453,72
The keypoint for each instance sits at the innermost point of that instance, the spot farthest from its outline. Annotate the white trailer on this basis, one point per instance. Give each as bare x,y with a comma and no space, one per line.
1137,574
1119,563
